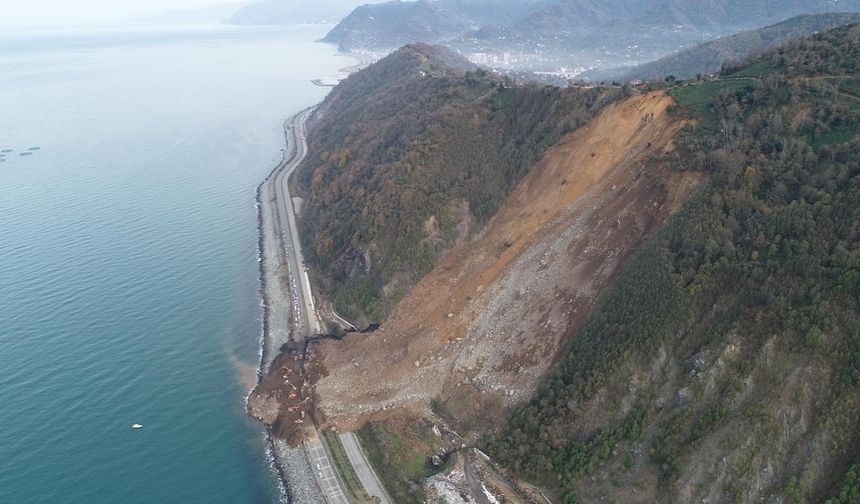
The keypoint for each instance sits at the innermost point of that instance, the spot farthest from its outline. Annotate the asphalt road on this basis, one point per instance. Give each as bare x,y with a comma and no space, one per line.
324,472
304,313
300,290
306,320
365,474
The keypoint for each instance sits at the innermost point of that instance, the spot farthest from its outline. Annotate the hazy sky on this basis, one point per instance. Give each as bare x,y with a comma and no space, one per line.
82,12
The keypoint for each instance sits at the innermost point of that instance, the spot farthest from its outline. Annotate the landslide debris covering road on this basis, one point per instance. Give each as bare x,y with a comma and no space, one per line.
482,328
293,464
282,399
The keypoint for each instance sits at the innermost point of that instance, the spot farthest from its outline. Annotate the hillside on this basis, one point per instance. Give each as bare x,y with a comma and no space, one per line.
567,19
493,313
723,364
551,190
411,157
547,34
396,23
709,57
662,302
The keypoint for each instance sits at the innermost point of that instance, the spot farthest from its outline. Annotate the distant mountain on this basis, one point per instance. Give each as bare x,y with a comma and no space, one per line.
279,12
710,57
573,17
718,14
210,14
604,33
572,23
396,23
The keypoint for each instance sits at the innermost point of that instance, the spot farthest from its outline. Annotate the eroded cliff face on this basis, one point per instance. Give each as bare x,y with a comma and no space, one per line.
411,157
483,327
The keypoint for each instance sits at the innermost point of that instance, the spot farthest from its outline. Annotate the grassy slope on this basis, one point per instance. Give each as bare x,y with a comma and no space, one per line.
400,456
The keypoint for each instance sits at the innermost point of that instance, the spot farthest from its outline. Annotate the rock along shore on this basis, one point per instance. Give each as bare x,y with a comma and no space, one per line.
291,464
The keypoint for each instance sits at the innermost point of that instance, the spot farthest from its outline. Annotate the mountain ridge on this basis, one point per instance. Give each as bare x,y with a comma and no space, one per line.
548,34
708,58
395,23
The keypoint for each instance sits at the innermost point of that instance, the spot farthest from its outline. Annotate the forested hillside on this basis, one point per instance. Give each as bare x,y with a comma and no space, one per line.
709,58
723,365
411,156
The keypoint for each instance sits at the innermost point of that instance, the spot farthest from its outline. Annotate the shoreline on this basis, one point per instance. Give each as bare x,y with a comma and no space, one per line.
274,465
263,275
294,472
363,59
290,465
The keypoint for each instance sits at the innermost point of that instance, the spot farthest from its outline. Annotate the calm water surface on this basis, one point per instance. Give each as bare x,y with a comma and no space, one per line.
128,271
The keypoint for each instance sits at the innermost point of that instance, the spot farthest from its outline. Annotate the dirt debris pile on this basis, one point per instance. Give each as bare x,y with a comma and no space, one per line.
284,399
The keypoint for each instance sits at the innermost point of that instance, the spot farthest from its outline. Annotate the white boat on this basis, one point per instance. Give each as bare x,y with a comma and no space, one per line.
136,426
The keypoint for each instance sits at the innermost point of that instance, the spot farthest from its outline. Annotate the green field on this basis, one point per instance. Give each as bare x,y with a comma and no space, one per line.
837,136
755,71
378,445
698,97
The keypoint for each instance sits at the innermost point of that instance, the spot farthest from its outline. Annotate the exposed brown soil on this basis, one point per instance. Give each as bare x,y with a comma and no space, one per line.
480,330
284,399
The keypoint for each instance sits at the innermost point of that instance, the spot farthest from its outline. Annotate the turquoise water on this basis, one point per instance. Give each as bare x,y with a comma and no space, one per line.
128,269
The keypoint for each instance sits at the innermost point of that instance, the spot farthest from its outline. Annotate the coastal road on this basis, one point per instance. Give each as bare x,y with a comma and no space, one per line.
306,320
325,472
365,473
303,302
304,312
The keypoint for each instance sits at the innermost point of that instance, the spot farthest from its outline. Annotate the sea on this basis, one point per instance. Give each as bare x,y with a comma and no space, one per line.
129,280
